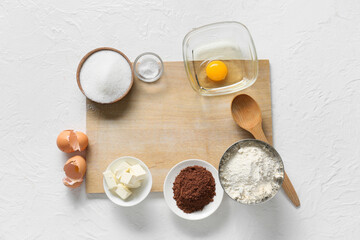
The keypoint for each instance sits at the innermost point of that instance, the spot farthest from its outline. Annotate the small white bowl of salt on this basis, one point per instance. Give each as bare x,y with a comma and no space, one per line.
105,75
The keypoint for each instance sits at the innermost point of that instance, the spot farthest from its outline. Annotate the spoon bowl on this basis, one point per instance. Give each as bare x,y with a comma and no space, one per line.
245,111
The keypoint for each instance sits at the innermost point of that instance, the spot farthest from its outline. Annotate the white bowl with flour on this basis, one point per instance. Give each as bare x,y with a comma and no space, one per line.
251,171
105,75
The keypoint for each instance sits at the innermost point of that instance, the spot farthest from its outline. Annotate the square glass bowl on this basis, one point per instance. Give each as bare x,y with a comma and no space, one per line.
228,42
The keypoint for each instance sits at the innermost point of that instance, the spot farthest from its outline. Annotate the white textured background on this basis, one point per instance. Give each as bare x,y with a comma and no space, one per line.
314,52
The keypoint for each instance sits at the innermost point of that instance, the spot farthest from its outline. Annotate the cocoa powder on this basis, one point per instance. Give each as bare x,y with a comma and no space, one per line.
194,188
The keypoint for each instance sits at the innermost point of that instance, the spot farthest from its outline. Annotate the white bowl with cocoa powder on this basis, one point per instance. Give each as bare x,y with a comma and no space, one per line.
169,193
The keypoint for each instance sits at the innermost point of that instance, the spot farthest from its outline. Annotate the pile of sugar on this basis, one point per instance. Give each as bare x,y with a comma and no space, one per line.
252,175
105,76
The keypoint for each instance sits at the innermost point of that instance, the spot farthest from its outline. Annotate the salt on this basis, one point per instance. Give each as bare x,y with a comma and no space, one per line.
149,68
105,76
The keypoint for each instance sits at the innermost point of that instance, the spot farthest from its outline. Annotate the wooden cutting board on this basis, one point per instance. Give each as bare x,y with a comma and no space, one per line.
166,122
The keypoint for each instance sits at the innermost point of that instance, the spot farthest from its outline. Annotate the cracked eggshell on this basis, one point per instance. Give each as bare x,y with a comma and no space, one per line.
70,141
72,183
82,140
75,167
66,141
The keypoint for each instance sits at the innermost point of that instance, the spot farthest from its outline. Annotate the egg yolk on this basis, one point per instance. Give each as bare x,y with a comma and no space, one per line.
216,70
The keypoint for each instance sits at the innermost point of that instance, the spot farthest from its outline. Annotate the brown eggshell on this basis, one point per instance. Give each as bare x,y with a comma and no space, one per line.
82,140
72,183
75,167
66,141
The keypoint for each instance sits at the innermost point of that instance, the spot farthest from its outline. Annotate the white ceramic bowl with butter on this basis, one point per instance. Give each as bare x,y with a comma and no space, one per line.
138,194
169,194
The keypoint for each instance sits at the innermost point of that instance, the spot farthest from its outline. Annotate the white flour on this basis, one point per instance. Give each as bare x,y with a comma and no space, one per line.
105,76
252,175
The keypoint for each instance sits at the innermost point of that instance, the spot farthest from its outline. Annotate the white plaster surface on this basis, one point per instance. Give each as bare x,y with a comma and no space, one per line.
314,52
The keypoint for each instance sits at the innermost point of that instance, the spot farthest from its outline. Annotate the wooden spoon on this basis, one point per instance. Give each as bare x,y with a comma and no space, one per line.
247,114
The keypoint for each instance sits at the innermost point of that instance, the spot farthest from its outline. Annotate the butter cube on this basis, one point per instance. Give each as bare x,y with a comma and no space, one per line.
138,172
121,168
134,184
118,175
109,179
127,179
118,165
122,191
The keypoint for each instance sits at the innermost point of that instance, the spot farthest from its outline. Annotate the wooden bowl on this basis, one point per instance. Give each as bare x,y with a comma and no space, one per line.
97,50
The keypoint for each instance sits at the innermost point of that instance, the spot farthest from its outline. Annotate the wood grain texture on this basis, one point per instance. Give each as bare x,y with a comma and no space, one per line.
166,122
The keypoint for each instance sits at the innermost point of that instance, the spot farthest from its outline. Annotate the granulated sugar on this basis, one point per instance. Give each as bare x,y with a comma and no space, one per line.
252,175
105,76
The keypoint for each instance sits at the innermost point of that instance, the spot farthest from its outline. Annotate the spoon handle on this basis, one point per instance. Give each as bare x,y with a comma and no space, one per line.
259,134
289,189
